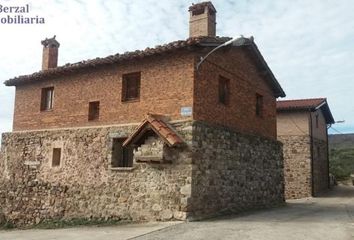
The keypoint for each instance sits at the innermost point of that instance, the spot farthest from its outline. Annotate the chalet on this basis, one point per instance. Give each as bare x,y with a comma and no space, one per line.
145,135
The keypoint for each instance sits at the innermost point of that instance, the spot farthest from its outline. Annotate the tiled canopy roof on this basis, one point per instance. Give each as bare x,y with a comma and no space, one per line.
193,43
162,129
310,104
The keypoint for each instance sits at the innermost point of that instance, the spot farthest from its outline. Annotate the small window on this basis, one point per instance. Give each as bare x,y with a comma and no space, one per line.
94,111
259,105
316,121
224,90
131,87
56,157
318,151
47,98
121,156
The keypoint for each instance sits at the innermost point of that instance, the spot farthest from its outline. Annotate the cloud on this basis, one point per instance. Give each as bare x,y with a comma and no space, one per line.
307,44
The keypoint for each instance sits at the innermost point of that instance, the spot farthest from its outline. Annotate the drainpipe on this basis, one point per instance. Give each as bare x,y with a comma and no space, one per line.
329,180
311,149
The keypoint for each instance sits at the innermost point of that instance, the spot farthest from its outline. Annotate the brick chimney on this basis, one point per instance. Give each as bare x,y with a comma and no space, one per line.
202,21
50,53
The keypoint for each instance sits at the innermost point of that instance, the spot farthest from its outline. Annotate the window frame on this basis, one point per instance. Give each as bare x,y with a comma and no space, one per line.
47,99
126,88
56,161
126,157
224,91
94,111
259,105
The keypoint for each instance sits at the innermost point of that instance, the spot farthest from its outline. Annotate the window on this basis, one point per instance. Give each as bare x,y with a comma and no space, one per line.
121,156
94,111
47,98
131,87
56,157
316,121
224,90
259,105
318,151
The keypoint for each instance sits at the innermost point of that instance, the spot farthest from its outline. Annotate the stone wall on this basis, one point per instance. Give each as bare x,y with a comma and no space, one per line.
216,171
84,185
297,166
320,166
234,172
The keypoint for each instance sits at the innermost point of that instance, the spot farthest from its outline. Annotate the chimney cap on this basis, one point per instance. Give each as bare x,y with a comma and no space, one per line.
202,5
50,42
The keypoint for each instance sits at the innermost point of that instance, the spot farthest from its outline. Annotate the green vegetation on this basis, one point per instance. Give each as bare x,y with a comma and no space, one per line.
50,224
341,162
7,226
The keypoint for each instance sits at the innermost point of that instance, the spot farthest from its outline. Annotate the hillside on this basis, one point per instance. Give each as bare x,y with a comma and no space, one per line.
341,155
341,140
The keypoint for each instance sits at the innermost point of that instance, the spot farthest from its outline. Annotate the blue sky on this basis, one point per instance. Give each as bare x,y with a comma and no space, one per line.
307,44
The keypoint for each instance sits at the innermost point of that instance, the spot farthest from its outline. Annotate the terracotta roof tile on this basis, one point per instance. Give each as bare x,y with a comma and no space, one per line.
300,104
191,44
160,127
92,63
310,104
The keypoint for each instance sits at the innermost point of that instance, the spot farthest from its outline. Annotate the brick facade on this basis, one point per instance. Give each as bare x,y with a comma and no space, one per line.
245,83
168,83
166,86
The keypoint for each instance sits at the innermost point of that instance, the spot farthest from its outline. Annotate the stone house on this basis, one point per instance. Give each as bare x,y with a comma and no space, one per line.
302,127
144,135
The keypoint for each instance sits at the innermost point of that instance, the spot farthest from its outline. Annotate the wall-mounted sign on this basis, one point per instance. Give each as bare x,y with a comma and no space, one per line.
186,111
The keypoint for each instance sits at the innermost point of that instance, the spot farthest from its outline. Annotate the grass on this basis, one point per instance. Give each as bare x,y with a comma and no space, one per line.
341,162
61,223
67,223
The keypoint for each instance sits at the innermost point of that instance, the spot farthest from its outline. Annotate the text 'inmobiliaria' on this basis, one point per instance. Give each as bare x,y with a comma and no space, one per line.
19,15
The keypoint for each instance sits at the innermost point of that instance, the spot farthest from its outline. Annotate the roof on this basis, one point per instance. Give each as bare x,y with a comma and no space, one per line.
192,43
161,128
310,104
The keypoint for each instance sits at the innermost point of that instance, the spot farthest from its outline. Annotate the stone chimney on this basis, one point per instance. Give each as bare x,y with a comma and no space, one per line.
202,21
50,53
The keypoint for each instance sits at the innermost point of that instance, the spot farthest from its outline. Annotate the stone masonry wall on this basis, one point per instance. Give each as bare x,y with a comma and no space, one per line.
233,172
297,166
84,186
320,166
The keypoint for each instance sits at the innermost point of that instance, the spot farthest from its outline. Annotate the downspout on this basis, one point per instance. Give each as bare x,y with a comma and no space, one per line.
328,178
311,149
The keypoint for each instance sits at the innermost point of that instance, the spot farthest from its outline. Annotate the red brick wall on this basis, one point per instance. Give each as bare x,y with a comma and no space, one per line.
166,86
245,82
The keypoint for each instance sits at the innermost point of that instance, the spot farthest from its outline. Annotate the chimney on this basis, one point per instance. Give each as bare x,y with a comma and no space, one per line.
50,53
202,21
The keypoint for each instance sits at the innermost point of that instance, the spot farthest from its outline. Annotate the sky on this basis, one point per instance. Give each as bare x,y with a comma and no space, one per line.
307,44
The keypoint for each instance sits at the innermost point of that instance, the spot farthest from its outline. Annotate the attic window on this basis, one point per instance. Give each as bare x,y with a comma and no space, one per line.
259,105
316,121
131,87
94,111
47,98
224,90
121,156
